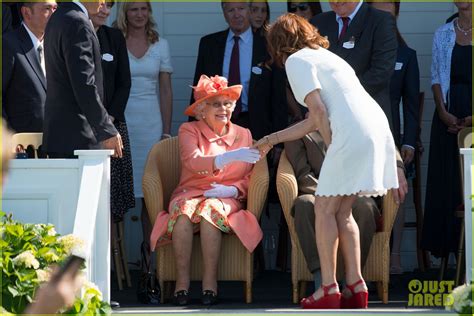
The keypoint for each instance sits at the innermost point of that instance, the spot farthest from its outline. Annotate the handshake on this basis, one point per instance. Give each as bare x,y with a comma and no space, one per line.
245,154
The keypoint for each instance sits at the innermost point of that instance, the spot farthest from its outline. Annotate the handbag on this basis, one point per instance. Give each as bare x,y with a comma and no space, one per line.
148,291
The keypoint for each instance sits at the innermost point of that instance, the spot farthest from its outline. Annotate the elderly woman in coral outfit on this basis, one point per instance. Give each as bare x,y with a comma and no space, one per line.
216,165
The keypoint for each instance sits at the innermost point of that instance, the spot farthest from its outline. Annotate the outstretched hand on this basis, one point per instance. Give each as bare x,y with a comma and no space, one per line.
263,146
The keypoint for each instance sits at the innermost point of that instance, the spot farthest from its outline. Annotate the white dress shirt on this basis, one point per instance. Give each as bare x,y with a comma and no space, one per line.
339,18
245,62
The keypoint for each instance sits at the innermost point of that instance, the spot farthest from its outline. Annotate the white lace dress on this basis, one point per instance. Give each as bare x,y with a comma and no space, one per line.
143,113
361,158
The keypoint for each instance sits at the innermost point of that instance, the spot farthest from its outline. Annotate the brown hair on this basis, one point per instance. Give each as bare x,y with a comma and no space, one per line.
289,34
122,24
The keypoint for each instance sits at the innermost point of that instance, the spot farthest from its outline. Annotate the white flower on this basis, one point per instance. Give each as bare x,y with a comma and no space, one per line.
72,244
43,275
27,259
51,256
52,231
461,298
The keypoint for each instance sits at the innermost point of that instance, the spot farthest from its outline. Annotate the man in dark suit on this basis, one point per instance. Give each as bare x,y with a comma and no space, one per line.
366,39
306,155
24,82
262,107
75,117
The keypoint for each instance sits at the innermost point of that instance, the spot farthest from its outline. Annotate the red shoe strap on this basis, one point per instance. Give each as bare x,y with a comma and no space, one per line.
353,286
326,288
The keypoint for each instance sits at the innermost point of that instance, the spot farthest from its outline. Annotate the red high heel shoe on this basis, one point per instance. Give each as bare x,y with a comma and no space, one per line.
356,300
328,301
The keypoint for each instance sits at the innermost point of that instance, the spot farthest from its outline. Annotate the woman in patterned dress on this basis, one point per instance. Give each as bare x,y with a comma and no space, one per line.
216,164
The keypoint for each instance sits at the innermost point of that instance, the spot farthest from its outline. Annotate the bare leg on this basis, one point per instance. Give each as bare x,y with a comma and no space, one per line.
211,239
183,246
327,239
350,242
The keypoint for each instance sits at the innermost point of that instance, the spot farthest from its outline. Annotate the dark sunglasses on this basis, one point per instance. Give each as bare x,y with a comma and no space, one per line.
299,6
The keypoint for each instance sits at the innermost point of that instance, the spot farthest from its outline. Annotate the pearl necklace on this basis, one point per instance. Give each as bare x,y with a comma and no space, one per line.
465,32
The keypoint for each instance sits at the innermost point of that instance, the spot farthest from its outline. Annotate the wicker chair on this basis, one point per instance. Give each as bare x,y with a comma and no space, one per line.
377,265
161,177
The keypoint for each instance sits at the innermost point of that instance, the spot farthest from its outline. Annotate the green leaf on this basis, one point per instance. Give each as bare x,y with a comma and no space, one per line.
13,291
3,244
12,230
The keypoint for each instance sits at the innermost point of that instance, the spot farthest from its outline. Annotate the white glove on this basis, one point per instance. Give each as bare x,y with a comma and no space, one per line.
222,191
244,154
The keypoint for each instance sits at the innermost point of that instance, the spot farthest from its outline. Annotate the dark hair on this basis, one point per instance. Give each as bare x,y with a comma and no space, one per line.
289,34
24,4
314,6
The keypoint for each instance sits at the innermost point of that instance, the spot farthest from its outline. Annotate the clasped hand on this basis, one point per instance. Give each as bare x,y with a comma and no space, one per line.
221,191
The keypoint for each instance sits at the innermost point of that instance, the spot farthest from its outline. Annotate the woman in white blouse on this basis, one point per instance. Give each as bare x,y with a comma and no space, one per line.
149,109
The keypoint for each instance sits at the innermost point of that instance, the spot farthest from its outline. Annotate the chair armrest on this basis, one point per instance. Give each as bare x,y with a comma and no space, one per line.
287,188
152,187
258,188
389,211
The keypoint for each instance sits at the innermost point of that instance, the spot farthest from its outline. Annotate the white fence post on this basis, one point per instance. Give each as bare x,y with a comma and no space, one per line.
468,195
72,194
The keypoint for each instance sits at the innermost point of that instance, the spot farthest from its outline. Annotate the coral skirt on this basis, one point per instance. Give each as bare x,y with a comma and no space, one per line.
224,214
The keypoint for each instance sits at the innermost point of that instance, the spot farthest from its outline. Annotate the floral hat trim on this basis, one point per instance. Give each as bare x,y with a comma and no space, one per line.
209,87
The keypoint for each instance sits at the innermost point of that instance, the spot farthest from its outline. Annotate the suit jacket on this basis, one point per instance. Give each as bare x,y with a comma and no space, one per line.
373,56
6,18
116,71
405,86
75,117
267,95
23,83
306,155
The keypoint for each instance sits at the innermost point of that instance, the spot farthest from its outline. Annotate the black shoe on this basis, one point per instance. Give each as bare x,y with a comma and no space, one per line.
114,304
181,298
209,297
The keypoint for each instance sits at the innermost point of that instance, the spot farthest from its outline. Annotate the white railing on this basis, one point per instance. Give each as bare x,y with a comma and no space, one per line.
72,194
468,196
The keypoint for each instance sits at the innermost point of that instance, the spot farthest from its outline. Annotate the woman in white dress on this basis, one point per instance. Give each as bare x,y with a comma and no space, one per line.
361,155
149,108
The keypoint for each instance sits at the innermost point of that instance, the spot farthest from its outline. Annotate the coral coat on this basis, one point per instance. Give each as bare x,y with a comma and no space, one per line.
198,146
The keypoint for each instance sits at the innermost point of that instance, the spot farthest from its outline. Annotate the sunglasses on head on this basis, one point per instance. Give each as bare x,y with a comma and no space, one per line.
299,6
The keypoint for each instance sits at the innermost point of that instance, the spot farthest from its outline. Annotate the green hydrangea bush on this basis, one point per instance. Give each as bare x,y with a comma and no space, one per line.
28,251
461,300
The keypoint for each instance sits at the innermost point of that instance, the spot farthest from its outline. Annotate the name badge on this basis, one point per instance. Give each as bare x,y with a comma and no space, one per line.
108,57
398,66
257,70
350,44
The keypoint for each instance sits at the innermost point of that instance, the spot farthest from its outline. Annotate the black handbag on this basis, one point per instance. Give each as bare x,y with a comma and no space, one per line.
148,291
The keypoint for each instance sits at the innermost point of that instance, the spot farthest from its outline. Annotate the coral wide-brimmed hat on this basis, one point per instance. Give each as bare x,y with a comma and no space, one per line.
211,87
